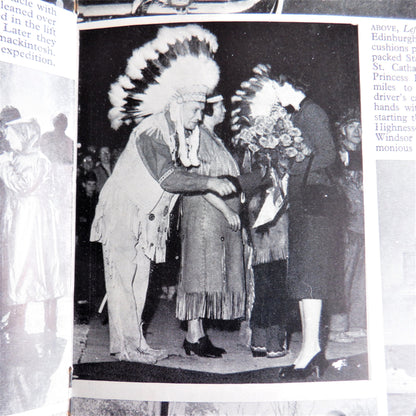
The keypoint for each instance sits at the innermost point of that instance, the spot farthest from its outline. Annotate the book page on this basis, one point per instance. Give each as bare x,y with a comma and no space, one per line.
344,63
38,101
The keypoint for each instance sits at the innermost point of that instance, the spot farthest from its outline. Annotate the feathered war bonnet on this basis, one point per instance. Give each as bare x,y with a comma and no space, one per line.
256,97
174,68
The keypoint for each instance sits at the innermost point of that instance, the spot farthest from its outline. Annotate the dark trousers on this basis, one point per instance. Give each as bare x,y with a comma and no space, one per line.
268,317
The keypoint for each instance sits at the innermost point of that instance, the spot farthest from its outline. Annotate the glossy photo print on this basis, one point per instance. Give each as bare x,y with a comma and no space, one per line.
220,228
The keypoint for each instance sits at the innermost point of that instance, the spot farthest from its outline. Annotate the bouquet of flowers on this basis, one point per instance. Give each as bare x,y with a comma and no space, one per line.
263,126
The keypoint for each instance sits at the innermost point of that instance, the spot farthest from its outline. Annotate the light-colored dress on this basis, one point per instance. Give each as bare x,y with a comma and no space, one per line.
29,229
212,279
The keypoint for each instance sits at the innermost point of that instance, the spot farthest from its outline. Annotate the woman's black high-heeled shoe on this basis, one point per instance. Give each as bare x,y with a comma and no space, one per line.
212,348
316,366
203,348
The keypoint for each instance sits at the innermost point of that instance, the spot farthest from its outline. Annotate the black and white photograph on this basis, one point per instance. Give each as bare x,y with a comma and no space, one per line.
404,9
93,10
220,228
64,4
37,139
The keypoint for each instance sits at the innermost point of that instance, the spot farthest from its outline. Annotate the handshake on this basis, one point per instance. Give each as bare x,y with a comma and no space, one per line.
249,183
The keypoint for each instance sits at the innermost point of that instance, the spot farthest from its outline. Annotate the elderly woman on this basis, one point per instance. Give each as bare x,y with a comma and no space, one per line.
211,281
29,227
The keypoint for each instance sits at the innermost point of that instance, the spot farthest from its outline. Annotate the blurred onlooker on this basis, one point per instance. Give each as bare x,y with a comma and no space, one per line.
346,327
59,149
115,154
7,115
89,276
56,145
29,228
87,163
104,168
92,150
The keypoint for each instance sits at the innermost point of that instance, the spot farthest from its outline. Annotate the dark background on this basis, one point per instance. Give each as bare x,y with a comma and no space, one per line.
405,9
323,55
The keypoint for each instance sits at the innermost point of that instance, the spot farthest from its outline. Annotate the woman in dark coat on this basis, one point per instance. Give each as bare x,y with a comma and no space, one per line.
315,256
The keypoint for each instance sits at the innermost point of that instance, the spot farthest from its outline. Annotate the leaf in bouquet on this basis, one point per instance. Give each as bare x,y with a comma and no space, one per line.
246,136
235,111
306,150
285,139
284,163
253,147
291,152
240,92
235,127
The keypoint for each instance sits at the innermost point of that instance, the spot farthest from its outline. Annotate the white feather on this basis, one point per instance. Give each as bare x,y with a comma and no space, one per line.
188,72
236,99
135,64
185,73
262,102
117,95
115,116
125,82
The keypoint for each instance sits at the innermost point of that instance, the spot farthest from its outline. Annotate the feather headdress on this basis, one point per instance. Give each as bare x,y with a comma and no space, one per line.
256,97
177,66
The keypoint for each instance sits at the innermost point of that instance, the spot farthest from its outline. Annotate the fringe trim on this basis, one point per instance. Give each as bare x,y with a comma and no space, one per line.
267,256
216,305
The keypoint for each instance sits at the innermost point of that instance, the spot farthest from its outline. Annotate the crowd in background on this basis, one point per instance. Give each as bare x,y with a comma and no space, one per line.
95,165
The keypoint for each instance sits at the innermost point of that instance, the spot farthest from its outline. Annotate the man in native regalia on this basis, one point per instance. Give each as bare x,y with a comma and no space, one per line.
162,94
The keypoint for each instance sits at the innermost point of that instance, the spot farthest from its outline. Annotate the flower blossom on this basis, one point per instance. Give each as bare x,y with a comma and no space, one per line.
285,139
291,152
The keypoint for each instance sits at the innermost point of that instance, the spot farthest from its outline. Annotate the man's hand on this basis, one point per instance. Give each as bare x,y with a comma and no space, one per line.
220,186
